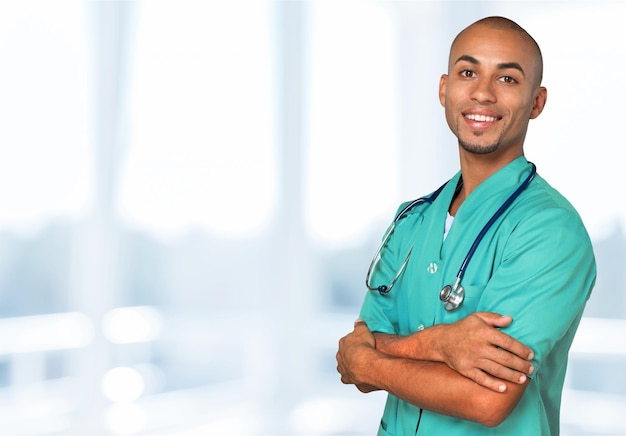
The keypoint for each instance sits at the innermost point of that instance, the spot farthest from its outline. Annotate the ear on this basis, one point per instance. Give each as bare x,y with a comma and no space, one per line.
541,95
442,89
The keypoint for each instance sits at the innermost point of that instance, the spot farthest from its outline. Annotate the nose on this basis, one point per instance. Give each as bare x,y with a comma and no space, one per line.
483,91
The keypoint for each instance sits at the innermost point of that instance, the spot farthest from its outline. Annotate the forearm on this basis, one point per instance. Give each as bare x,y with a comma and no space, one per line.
474,347
461,369
396,346
436,387
418,346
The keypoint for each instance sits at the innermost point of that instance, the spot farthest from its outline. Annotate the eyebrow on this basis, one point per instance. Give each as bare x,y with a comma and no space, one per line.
501,66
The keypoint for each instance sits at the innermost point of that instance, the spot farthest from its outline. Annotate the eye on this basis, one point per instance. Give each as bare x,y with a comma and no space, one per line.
508,79
468,74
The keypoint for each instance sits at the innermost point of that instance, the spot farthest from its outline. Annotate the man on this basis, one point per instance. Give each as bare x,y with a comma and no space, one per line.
496,364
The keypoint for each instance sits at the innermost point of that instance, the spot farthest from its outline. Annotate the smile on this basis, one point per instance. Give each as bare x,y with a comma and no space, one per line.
481,118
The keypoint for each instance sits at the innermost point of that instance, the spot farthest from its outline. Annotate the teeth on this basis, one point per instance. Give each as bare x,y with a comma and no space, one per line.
474,117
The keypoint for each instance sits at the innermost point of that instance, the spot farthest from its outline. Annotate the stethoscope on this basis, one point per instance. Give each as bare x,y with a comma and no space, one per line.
451,295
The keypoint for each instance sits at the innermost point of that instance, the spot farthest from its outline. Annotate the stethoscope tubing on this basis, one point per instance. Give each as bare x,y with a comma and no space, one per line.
383,290
429,199
493,219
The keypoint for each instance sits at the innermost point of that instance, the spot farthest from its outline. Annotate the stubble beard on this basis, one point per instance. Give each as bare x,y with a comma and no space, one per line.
479,148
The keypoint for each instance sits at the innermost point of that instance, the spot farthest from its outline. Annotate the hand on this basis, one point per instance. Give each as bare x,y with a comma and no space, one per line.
351,358
475,348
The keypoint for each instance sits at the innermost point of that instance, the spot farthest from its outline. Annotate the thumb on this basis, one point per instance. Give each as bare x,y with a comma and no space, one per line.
359,324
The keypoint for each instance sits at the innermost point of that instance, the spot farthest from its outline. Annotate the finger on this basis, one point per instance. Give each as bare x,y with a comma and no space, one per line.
503,340
503,373
512,345
487,381
511,361
360,324
346,378
341,372
494,319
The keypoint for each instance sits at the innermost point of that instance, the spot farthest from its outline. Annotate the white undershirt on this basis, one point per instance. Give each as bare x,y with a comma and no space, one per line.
449,220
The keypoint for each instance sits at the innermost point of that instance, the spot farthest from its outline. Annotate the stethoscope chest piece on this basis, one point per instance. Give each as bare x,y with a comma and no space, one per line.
452,296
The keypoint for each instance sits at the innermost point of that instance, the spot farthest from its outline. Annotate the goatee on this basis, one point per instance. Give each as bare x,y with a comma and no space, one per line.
478,148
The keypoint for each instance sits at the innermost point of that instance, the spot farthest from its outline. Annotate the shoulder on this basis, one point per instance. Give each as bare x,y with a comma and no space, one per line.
543,214
541,191
543,201
413,206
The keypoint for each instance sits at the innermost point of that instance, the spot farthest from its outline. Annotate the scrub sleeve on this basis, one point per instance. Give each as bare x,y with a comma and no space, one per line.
536,265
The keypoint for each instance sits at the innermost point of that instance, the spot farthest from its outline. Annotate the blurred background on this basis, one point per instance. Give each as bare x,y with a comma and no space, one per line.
191,193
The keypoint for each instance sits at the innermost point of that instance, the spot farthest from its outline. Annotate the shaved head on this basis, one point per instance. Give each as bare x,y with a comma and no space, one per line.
501,23
493,88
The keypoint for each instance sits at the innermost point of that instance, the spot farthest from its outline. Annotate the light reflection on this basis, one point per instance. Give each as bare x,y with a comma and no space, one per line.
45,332
123,385
126,325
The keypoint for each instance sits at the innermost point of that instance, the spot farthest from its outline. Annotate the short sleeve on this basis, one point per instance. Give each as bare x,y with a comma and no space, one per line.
544,280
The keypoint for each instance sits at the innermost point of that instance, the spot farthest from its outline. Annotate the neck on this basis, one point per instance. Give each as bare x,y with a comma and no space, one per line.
458,198
475,169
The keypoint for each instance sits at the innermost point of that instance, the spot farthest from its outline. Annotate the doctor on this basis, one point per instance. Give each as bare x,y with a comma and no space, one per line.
496,364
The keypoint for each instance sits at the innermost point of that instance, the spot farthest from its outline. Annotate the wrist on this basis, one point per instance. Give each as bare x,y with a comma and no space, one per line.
365,371
431,343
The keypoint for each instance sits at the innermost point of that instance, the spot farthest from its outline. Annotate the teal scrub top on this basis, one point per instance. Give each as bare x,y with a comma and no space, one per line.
536,263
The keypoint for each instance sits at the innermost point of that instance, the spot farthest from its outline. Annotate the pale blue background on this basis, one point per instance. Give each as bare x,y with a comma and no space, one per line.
191,191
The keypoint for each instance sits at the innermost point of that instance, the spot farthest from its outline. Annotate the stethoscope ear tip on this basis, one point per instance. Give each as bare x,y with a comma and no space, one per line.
383,290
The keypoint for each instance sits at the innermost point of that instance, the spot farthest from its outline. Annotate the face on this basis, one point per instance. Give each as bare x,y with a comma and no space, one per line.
491,91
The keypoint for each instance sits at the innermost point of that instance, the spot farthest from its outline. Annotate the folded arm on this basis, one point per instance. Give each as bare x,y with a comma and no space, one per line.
436,387
473,346
426,369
